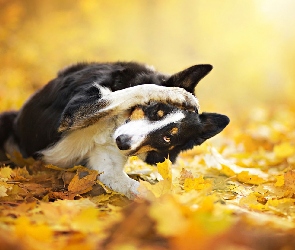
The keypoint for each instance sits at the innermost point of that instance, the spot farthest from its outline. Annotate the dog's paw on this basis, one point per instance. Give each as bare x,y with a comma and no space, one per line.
132,193
173,95
182,98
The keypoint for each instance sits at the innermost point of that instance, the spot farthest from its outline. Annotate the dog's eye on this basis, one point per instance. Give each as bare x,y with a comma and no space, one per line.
166,139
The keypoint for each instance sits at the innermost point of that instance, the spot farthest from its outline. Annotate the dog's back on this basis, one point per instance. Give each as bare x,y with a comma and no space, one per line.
41,115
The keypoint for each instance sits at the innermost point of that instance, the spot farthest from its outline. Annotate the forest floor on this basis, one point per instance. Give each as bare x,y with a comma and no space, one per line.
236,191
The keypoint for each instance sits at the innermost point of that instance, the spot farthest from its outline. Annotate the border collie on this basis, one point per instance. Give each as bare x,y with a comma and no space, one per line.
98,114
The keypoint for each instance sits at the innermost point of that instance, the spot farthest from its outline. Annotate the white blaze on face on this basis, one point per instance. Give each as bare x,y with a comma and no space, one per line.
138,130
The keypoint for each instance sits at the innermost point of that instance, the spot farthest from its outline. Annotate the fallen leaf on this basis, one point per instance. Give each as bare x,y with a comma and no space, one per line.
284,150
196,184
227,171
3,191
151,191
280,181
82,182
163,212
184,174
164,169
245,177
5,172
289,180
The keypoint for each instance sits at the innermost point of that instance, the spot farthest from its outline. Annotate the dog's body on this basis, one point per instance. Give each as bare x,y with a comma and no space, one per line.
99,114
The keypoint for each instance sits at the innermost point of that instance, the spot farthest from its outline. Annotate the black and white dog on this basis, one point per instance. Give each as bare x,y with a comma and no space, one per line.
99,114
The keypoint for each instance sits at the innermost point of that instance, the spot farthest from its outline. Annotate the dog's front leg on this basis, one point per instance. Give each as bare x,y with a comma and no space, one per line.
84,111
142,94
109,162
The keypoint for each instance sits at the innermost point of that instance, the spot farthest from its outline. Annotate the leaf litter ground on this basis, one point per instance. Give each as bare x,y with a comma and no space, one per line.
234,192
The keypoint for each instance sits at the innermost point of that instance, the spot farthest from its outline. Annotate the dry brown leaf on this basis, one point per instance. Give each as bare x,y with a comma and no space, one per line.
82,182
289,180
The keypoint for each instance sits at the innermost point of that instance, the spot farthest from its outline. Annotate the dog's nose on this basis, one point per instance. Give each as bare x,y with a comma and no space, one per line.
123,142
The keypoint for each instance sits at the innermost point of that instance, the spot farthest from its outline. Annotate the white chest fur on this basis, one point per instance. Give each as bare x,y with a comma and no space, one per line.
77,145
96,145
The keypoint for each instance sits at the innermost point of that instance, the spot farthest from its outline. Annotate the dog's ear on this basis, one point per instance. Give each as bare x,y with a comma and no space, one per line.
82,110
210,125
189,78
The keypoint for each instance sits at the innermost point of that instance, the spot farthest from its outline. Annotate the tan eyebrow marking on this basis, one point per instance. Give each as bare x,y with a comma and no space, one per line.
137,114
160,113
174,131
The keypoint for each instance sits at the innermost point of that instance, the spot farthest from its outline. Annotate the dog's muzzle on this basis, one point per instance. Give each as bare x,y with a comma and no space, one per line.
123,142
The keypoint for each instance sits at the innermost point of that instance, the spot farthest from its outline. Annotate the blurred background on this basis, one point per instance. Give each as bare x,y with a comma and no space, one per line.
250,43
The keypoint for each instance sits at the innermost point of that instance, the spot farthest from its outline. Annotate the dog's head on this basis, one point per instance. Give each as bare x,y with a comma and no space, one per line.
158,131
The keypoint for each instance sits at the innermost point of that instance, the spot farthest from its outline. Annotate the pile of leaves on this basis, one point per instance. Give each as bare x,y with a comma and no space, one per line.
235,192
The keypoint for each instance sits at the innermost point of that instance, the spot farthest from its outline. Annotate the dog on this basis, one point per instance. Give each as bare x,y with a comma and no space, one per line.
99,114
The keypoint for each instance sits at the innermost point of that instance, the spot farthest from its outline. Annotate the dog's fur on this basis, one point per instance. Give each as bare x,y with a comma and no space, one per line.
99,114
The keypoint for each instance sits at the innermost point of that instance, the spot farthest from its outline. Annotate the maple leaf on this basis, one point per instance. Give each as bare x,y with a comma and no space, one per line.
164,169
151,191
82,182
5,172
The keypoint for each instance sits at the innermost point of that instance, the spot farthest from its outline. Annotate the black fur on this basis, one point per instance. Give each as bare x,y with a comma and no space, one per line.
6,130
37,123
193,130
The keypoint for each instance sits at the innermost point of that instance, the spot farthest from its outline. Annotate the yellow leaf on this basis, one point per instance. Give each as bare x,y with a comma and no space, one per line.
184,174
164,169
4,187
196,184
277,202
245,177
24,228
73,169
3,191
281,206
249,200
87,221
284,150
280,181
163,212
227,171
207,204
6,172
157,190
